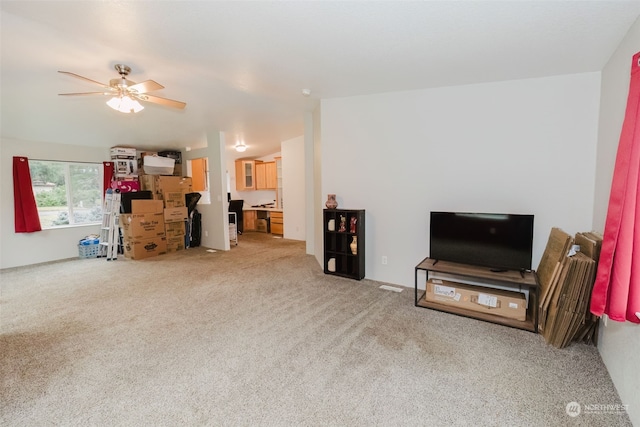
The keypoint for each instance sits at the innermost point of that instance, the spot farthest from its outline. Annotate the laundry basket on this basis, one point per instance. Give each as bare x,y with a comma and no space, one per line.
89,248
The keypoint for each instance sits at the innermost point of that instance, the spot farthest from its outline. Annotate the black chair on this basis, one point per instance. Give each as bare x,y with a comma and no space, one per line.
236,206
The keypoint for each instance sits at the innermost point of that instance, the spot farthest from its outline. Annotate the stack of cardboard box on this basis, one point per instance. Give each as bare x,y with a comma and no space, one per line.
143,230
155,226
566,274
175,215
171,191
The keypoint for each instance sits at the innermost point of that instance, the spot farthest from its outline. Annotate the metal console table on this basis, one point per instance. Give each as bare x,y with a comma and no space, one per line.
527,280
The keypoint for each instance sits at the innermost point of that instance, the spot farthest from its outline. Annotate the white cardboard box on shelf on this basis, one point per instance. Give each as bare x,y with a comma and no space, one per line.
123,153
157,165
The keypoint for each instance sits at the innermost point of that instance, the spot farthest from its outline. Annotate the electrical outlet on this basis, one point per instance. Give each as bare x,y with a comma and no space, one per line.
384,260
206,233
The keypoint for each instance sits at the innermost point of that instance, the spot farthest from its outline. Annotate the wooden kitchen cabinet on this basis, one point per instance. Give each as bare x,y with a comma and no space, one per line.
277,223
261,176
266,176
245,175
272,175
249,219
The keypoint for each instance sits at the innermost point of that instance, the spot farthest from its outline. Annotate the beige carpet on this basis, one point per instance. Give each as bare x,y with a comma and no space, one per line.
259,336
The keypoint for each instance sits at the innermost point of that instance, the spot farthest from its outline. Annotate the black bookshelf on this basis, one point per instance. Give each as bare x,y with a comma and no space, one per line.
339,258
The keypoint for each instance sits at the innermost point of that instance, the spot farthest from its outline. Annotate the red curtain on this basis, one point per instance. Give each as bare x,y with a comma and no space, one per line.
107,176
24,202
616,291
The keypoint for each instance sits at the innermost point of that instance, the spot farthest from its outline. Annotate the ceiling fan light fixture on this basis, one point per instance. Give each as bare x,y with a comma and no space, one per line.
240,147
126,93
125,104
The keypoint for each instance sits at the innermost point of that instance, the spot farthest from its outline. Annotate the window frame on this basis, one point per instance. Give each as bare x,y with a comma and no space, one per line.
69,192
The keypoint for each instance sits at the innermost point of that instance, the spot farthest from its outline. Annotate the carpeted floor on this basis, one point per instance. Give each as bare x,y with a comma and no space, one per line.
259,336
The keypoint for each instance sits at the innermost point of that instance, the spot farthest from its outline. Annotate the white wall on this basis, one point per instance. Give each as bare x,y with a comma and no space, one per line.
525,146
312,185
316,202
18,249
293,188
619,343
215,231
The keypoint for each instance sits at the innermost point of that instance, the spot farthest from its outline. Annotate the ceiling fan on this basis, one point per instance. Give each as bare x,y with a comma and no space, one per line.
125,93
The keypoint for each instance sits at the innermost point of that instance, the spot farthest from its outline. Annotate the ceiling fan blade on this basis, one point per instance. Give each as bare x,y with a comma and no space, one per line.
162,101
83,78
146,86
85,93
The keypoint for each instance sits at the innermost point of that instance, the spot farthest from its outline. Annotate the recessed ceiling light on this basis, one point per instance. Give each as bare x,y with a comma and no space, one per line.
306,92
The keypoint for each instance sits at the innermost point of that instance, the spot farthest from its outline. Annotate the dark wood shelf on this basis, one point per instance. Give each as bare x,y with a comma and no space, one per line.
528,280
337,243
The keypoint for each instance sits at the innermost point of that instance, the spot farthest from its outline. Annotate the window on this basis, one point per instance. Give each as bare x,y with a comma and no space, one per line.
67,193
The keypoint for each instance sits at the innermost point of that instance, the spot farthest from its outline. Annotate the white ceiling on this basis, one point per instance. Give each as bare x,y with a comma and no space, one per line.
241,66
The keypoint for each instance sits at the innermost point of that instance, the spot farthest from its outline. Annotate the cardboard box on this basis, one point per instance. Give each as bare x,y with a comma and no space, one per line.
159,184
146,206
158,165
123,153
175,243
478,298
174,199
126,186
174,229
262,225
176,214
126,168
142,226
145,248
141,157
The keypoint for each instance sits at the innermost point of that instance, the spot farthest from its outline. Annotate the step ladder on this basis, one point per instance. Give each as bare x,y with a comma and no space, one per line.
110,231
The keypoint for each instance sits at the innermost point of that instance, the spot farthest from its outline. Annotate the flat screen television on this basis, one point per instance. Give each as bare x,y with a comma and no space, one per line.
494,240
